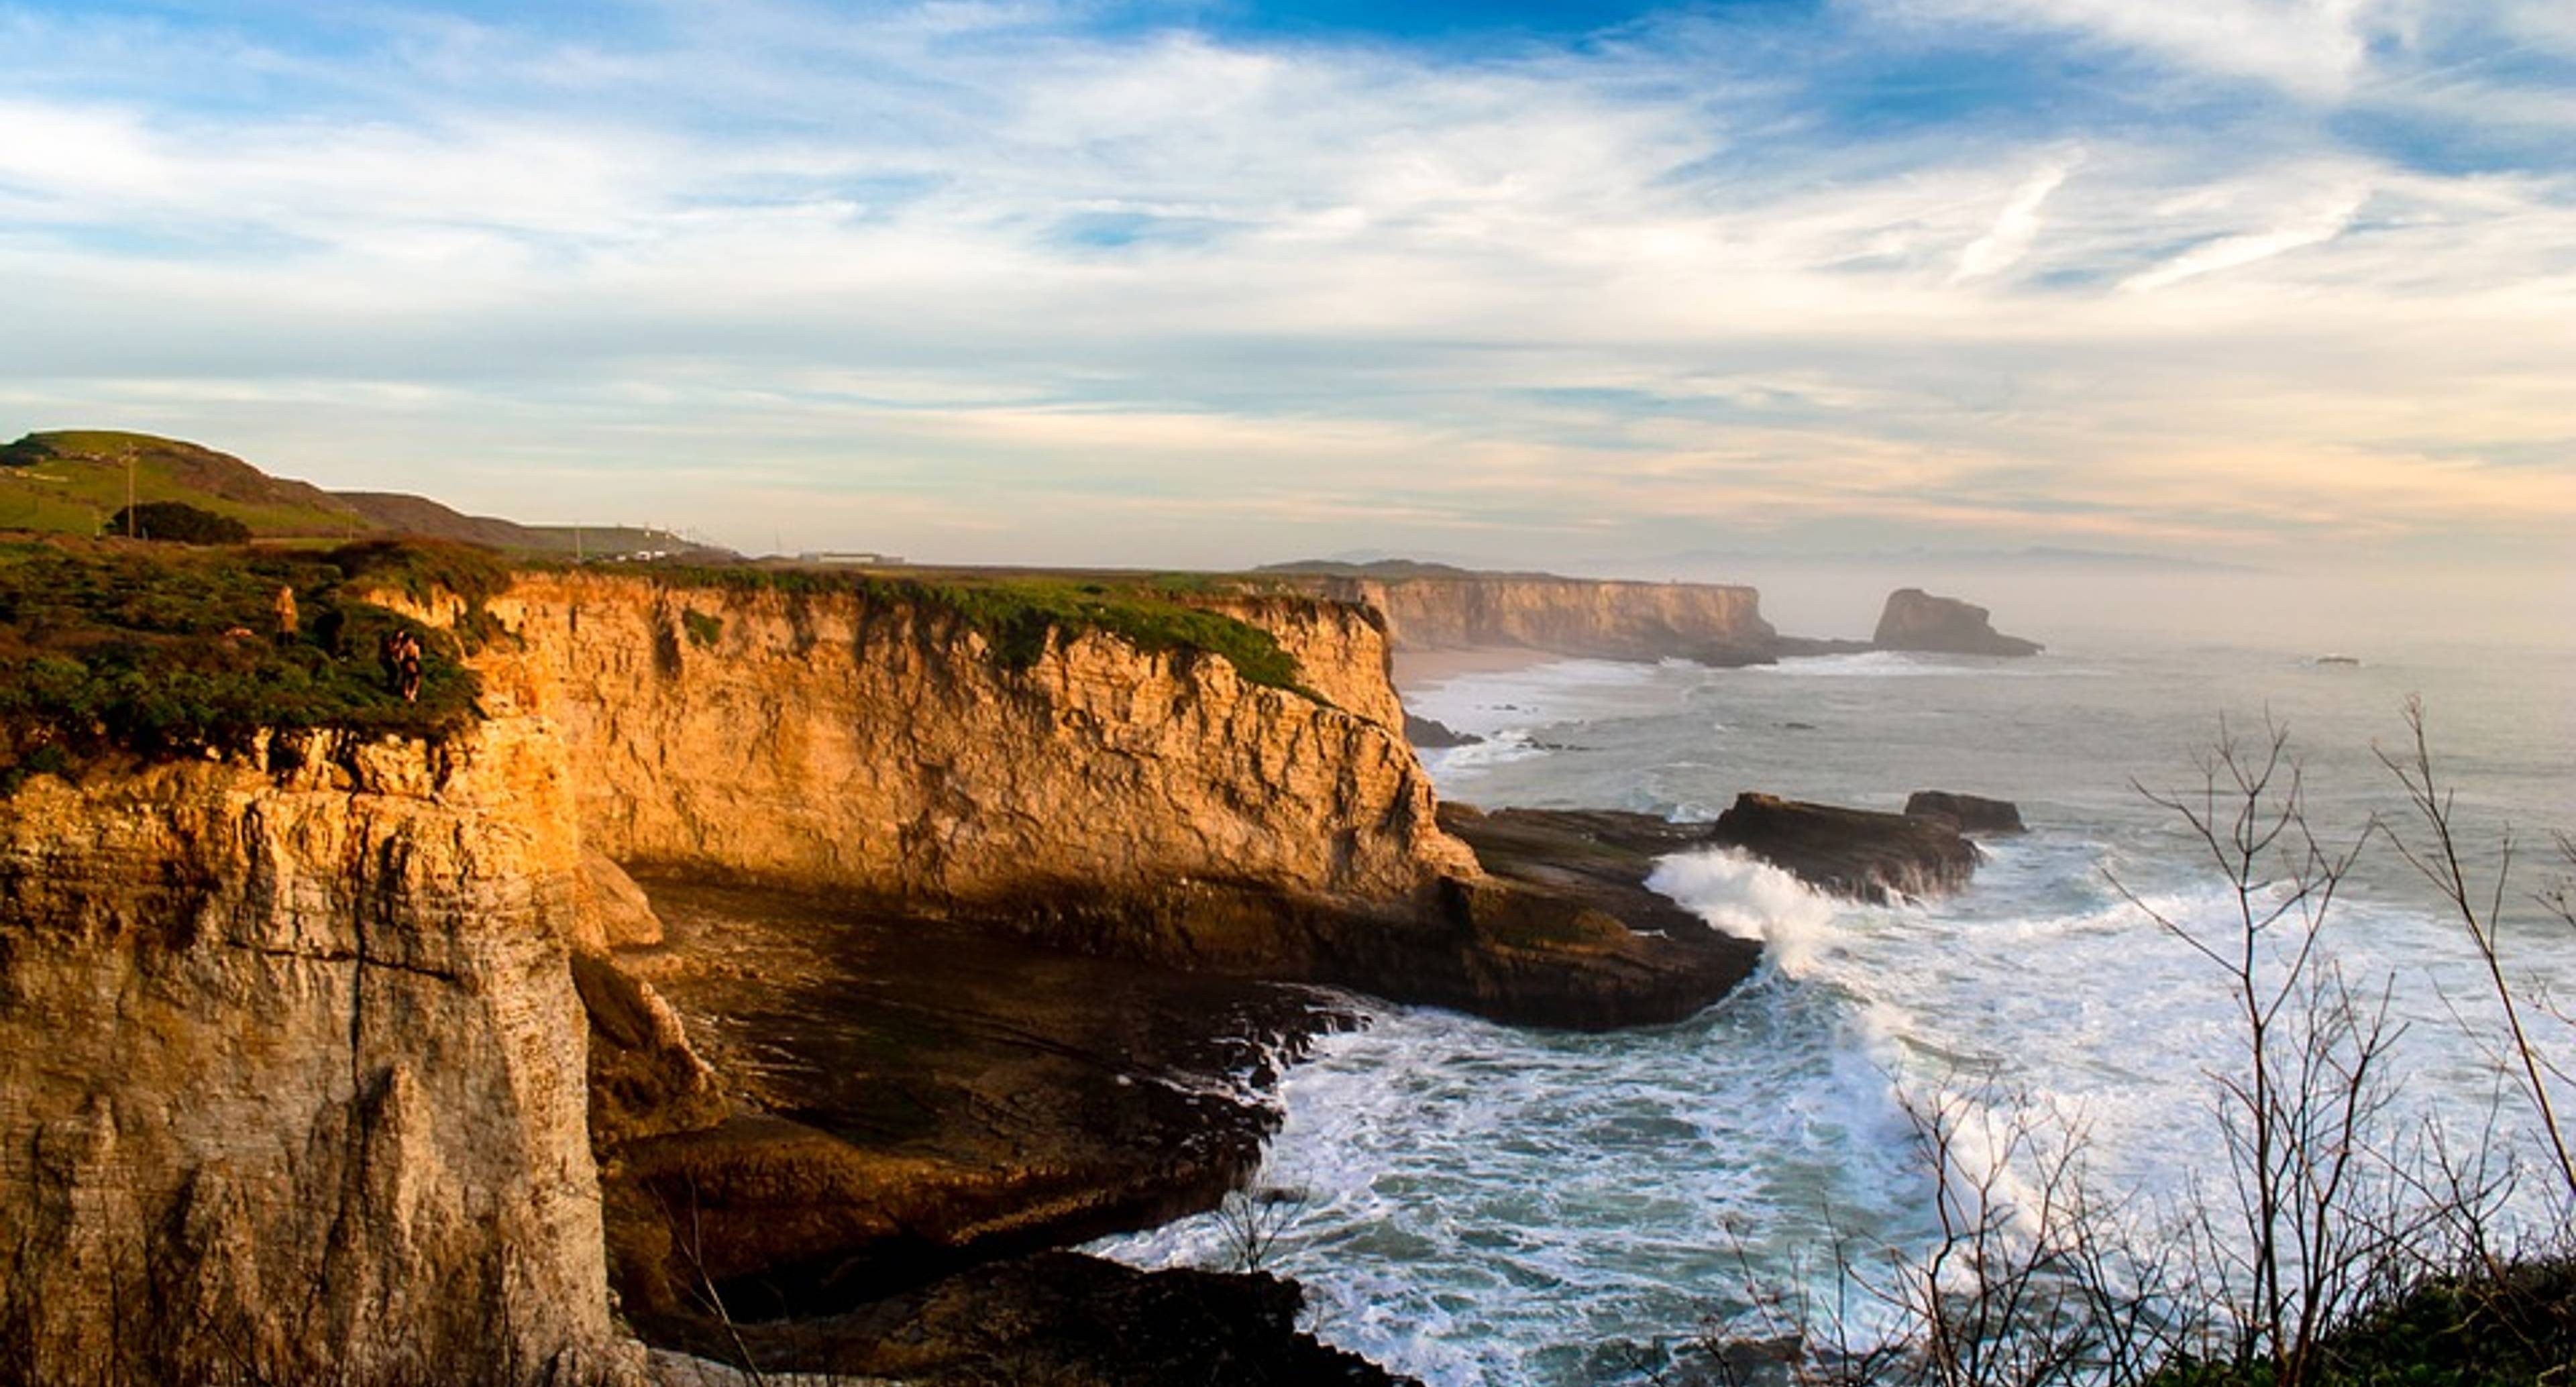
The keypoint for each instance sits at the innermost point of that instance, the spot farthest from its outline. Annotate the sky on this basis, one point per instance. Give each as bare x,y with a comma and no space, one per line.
1595,286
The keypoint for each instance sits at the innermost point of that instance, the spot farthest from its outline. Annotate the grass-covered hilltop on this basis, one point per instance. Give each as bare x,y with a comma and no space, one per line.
78,481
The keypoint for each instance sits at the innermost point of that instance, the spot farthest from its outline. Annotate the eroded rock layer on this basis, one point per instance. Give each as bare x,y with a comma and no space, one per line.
291,1070
846,741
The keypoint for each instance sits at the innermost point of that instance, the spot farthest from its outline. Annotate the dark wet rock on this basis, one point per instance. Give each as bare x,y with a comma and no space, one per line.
1972,813
1066,1320
1564,917
1428,734
1856,853
913,1096
644,1079
1916,620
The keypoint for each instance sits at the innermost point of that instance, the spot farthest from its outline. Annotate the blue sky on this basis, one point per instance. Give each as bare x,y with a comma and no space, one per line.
2252,280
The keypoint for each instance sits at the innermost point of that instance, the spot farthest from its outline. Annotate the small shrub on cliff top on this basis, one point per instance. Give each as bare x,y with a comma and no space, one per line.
164,652
1019,617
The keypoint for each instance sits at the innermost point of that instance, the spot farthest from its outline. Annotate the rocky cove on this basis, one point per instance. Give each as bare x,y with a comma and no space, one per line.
364,1057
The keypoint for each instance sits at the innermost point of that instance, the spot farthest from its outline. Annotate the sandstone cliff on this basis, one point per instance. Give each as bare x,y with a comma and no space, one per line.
1110,796
1591,618
292,1069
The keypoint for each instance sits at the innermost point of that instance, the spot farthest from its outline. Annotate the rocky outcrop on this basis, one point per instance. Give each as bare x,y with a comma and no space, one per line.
1067,1320
1969,813
1581,617
918,1095
1428,734
1916,620
1577,878
292,1070
1850,852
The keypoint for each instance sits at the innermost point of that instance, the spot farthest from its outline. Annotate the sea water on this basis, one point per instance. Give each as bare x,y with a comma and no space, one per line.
1484,1206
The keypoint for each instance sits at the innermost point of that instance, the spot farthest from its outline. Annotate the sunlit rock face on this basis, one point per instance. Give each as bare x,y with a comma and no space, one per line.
292,1069
849,742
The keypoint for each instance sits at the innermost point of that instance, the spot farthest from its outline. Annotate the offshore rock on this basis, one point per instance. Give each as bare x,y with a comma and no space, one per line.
1854,853
1972,813
1916,620
291,1070
1429,734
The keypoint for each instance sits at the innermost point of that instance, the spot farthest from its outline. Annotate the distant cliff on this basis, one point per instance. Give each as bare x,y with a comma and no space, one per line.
1433,609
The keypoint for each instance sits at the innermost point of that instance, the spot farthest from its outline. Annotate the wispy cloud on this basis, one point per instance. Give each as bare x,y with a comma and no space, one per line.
2009,239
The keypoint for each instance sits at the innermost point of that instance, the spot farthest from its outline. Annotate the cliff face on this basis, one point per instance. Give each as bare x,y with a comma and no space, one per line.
1712,623
291,1069
846,741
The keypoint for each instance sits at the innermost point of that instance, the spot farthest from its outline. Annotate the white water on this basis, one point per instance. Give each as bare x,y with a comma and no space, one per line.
1495,1207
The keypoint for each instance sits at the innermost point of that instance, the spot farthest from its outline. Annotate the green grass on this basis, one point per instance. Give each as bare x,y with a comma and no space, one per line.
71,481
1020,616
108,647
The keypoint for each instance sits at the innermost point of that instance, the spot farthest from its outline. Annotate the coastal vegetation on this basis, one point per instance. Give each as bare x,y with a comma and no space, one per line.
158,651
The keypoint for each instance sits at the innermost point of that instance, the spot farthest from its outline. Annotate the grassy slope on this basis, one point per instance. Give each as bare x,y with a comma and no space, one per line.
70,482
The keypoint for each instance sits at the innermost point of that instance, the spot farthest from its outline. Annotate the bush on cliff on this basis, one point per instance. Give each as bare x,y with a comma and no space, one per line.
177,522
111,647
1019,617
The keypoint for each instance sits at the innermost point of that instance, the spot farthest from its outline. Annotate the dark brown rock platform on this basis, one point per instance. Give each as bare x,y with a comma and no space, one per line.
1856,853
912,1096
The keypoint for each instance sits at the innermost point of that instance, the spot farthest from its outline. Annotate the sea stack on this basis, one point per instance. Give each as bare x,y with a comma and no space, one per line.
1916,620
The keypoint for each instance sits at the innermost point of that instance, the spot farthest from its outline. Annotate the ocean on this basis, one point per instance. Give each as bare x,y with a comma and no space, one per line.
1488,1207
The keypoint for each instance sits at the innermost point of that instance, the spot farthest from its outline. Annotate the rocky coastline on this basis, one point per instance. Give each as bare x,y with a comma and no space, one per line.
943,948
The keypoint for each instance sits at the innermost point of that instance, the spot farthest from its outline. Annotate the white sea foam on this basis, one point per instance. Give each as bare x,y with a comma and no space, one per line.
1750,899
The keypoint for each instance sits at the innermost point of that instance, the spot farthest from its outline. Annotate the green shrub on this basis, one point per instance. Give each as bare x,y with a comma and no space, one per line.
702,628
179,523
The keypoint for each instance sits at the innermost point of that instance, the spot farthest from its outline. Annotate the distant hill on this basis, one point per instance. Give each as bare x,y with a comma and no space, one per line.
70,481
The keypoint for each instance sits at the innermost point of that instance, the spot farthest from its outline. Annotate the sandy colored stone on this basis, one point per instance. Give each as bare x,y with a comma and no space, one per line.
850,742
292,1069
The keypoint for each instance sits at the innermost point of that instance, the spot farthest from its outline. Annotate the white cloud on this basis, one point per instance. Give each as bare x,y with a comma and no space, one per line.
2236,252
2015,228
